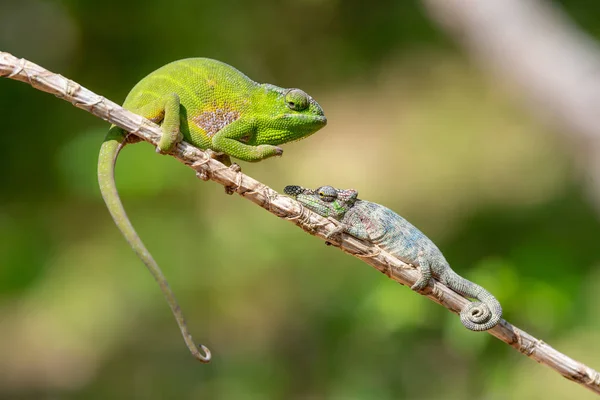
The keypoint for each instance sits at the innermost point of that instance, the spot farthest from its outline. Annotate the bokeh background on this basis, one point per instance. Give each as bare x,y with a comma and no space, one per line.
414,124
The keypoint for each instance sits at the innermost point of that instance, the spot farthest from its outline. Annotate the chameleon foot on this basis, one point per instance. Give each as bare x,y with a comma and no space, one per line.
425,270
160,149
420,284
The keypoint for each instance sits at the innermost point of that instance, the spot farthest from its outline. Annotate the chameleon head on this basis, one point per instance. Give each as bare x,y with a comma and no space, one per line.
326,200
287,115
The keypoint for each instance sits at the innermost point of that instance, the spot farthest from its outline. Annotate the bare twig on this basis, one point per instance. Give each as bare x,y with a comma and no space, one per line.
287,208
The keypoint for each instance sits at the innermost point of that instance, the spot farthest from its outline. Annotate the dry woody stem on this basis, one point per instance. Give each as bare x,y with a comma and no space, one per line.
287,208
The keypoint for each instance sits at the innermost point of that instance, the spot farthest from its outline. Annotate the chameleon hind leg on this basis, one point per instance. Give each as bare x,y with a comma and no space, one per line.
166,109
425,269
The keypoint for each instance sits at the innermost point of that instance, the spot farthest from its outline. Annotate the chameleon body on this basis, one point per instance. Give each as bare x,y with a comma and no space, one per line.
394,234
212,106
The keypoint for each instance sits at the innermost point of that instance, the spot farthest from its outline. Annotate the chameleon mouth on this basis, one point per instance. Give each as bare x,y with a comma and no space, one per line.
316,120
321,118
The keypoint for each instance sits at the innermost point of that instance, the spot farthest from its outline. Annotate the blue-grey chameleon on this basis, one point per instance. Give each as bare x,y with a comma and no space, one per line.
394,234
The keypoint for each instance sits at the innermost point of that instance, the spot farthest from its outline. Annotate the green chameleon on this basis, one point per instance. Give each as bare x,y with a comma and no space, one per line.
212,106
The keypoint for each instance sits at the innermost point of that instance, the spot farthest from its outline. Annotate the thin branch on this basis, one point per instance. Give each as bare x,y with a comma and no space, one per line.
287,208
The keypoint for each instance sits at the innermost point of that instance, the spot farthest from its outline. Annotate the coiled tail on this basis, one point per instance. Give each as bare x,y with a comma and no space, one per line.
479,315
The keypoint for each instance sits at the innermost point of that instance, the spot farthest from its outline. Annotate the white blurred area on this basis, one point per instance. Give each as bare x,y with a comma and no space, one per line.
547,62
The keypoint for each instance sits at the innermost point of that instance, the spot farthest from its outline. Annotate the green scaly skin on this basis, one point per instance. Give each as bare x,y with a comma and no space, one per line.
210,105
392,233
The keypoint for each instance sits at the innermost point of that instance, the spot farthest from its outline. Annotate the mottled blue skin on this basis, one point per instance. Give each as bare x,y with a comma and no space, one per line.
394,234
383,227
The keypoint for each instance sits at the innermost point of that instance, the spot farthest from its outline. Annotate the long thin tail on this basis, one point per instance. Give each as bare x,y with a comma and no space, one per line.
114,142
476,316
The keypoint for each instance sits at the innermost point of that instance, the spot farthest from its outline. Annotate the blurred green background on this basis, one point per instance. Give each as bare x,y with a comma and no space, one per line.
413,124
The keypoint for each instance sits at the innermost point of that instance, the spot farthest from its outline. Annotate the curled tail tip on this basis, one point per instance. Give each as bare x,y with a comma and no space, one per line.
110,149
202,354
479,316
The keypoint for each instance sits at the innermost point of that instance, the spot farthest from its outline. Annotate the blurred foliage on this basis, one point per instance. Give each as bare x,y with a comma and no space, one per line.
411,125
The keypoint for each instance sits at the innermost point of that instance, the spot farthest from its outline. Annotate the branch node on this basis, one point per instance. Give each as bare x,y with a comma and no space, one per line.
202,169
437,292
18,68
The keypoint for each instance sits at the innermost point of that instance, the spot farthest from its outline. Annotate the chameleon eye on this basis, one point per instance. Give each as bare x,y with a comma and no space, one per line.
327,193
296,100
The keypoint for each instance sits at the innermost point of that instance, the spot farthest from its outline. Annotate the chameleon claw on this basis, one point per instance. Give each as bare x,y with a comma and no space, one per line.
419,285
158,150
164,150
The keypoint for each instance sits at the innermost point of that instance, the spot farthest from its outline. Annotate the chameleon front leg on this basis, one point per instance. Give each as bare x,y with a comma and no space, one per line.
351,224
425,269
165,109
230,140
